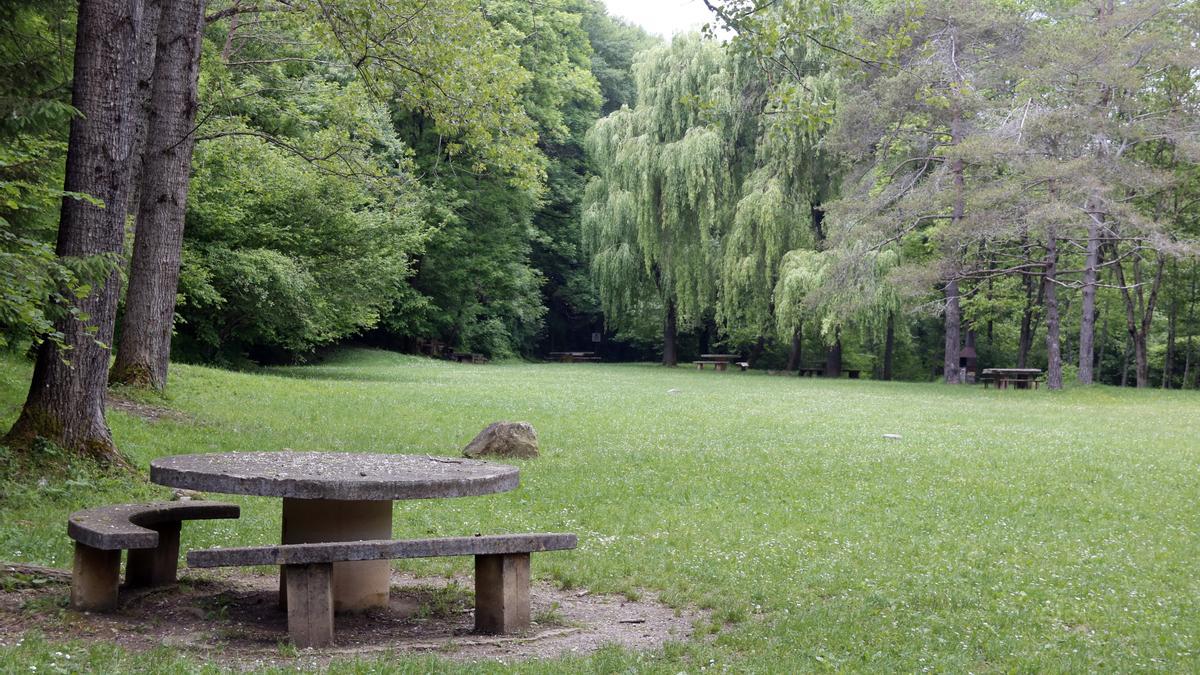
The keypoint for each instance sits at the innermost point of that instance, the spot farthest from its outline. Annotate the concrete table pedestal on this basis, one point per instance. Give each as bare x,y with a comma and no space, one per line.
357,586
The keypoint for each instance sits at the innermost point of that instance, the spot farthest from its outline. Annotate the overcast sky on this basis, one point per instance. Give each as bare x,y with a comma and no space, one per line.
664,17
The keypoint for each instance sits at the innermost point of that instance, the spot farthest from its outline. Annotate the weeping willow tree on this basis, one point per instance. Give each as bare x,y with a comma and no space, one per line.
837,289
654,214
779,127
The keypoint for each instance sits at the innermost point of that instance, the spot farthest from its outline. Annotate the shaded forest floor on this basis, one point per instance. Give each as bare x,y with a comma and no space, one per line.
1003,530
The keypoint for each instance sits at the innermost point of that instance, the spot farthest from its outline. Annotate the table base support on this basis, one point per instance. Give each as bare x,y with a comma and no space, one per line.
357,586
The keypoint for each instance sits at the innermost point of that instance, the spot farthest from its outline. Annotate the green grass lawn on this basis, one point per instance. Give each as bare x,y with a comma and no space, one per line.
1005,531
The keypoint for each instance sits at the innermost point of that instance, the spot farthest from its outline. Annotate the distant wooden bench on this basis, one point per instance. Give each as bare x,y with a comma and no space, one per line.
501,575
150,532
467,357
717,365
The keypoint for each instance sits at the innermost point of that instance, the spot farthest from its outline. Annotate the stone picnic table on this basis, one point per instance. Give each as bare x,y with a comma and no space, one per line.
720,361
575,357
337,496
1019,378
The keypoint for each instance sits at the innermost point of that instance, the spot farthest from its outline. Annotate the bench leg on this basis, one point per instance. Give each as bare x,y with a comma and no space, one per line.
155,566
721,367
501,593
94,579
310,604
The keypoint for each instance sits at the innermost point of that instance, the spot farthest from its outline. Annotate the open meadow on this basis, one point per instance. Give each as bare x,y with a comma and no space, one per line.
1028,531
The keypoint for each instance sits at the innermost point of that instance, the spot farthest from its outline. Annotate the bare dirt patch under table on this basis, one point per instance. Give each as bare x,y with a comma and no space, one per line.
232,617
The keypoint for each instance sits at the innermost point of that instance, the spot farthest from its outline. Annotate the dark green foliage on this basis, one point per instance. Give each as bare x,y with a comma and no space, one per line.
35,112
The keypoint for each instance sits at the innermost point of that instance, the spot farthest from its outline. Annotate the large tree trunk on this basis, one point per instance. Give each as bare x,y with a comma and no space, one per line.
145,348
953,335
796,350
1141,360
889,347
1087,320
953,351
66,397
670,335
833,357
1054,377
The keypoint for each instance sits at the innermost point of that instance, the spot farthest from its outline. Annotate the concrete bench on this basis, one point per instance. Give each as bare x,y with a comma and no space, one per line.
150,532
501,575
717,365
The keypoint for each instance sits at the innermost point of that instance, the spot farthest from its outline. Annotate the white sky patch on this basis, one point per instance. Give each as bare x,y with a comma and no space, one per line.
662,17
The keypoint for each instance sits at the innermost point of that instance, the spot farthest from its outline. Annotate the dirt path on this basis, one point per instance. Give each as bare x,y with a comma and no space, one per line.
232,618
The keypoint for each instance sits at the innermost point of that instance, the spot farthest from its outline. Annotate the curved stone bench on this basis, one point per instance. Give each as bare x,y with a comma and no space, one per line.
501,575
150,532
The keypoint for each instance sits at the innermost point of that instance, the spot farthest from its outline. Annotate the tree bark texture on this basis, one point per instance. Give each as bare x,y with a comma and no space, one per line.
670,335
145,348
953,335
1054,375
147,44
1087,319
66,397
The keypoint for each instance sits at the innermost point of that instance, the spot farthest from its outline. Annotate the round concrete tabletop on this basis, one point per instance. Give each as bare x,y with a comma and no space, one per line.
333,475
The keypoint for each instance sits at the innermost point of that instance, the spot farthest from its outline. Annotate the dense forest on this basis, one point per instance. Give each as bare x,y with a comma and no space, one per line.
901,188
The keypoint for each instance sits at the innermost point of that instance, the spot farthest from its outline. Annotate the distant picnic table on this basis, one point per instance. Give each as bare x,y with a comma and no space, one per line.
1018,378
819,371
575,357
720,362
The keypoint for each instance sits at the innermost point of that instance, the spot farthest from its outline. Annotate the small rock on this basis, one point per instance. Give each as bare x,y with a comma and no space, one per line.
181,495
504,439
894,437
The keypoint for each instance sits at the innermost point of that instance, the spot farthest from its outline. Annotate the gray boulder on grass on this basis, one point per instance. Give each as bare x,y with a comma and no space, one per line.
504,439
